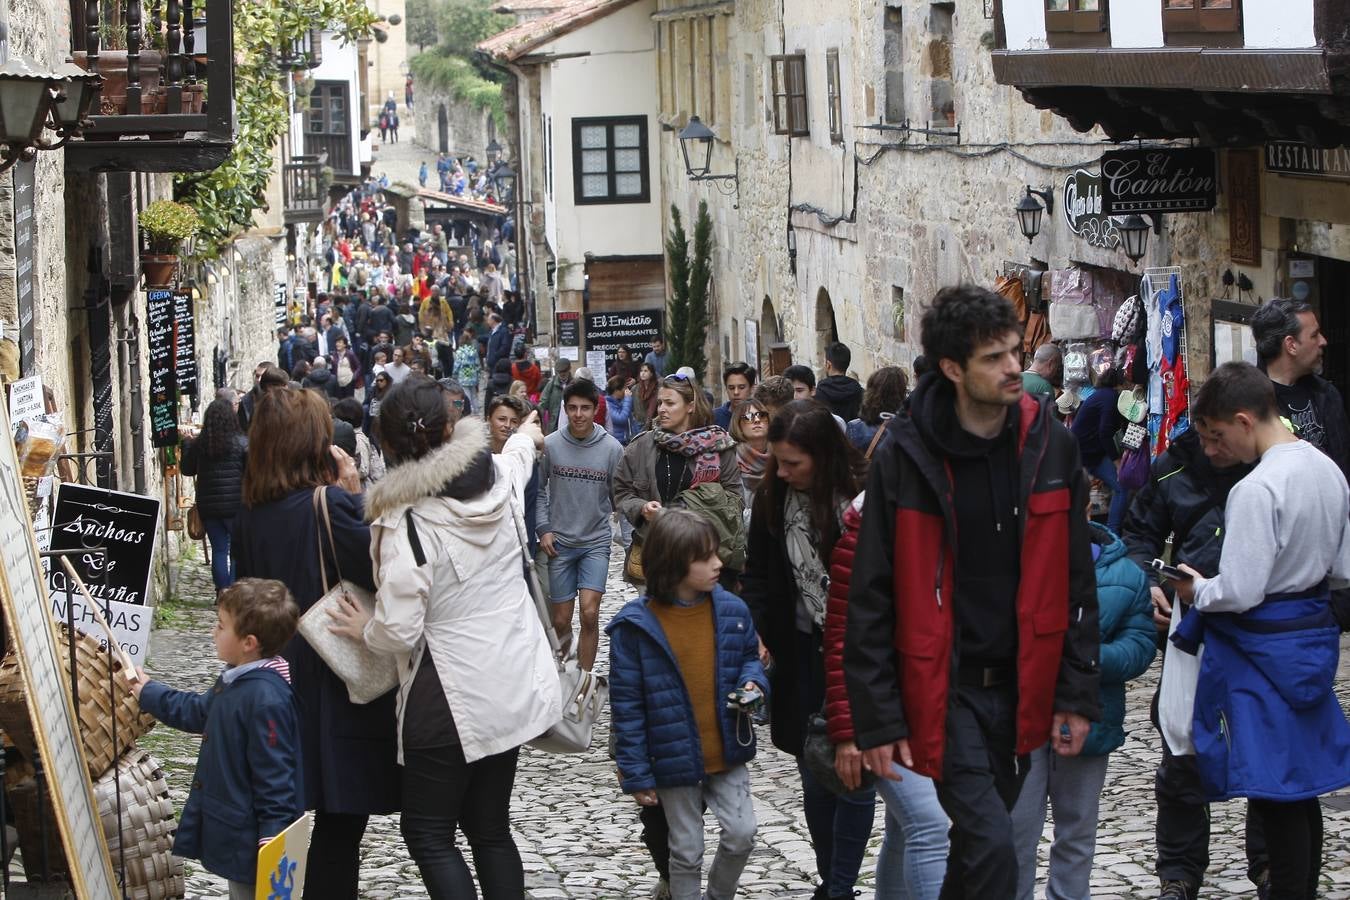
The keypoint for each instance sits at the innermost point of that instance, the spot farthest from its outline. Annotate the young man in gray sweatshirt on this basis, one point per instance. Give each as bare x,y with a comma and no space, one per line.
1267,724
576,485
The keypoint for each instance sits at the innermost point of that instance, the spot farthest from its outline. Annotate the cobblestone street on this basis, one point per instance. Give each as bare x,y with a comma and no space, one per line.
579,837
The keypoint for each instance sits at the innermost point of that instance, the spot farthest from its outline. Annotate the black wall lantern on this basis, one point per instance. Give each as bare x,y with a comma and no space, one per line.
1029,210
696,143
494,151
1134,234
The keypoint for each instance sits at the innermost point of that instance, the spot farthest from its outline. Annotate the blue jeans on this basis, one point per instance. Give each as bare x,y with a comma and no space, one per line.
222,563
1120,498
913,858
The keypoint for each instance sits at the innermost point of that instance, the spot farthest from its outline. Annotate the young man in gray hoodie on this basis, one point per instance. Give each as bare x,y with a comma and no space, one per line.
576,485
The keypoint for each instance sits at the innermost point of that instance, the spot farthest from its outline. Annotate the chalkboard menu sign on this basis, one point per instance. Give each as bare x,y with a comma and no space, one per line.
125,526
163,366
185,345
569,329
279,304
636,328
23,259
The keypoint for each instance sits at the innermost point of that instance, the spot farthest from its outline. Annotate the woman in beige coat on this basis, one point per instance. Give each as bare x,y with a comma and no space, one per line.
476,674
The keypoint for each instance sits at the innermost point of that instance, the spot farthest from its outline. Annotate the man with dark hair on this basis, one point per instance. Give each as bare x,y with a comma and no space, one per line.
803,381
1267,724
739,380
842,394
972,632
656,357
576,497
381,317
498,342
1289,345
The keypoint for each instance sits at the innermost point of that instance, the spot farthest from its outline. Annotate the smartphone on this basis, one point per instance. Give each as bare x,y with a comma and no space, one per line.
1169,572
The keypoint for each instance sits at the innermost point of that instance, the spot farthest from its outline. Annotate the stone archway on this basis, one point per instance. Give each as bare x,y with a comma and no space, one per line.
442,130
827,331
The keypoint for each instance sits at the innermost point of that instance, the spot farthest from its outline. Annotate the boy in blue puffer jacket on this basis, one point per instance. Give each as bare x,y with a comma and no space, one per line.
680,660
1073,784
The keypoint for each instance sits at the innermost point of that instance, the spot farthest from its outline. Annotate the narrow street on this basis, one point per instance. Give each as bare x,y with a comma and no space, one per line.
578,835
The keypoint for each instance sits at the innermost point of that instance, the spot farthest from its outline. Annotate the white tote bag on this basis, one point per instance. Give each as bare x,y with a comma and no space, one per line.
1176,696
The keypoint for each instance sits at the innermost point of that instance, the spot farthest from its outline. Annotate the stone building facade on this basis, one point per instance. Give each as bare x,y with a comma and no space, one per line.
901,178
89,303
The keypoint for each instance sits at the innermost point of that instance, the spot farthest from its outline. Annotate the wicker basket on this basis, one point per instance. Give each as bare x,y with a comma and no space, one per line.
148,826
97,708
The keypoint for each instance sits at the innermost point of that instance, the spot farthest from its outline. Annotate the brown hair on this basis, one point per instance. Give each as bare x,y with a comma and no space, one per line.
773,393
677,539
263,608
741,409
288,450
690,391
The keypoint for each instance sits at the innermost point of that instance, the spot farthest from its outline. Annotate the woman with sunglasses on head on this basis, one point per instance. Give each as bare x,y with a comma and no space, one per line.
682,451
750,428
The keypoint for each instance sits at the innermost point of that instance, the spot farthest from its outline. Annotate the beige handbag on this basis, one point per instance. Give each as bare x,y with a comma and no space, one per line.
367,674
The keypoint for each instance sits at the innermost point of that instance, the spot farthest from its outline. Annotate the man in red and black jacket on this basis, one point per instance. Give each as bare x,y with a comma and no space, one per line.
972,616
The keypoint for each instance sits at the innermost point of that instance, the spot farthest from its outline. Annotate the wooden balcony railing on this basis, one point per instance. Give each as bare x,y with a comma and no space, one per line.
303,188
167,100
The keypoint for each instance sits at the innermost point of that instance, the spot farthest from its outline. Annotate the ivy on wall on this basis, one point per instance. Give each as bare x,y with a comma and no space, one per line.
226,197
458,78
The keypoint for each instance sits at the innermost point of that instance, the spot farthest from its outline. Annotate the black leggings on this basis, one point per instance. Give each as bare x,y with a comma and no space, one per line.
441,792
333,867
1294,840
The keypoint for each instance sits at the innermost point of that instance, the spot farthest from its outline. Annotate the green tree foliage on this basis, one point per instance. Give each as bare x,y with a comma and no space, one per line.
422,22
690,280
226,197
463,23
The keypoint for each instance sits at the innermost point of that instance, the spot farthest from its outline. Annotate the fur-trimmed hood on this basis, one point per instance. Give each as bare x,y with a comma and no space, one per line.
460,470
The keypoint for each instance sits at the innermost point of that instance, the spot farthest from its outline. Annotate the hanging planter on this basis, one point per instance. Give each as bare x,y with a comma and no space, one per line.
165,227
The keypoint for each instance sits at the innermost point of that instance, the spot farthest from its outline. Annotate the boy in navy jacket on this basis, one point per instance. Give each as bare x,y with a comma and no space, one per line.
246,789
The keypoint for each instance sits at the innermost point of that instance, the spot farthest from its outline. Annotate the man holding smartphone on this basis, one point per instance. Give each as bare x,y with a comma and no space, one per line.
1184,497
1267,723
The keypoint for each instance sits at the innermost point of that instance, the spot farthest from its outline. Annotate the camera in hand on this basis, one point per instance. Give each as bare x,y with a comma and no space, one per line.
746,700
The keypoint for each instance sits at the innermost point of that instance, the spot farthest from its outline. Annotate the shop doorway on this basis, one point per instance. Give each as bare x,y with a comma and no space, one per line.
1333,314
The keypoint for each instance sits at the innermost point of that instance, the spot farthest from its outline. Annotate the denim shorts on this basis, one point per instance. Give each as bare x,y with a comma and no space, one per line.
577,568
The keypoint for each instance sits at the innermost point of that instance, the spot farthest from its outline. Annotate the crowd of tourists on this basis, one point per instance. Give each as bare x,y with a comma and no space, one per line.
905,586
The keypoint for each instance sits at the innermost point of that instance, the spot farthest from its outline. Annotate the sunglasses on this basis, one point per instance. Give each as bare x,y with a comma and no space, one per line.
754,416
678,377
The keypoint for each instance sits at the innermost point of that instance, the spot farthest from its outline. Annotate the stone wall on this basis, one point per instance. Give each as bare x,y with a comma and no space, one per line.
468,129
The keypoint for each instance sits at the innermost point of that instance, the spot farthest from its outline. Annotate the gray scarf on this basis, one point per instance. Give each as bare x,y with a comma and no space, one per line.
811,575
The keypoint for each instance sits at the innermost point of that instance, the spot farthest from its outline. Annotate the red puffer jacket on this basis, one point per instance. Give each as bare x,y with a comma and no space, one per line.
837,713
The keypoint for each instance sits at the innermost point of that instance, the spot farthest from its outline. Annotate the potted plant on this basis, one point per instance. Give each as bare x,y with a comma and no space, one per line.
165,225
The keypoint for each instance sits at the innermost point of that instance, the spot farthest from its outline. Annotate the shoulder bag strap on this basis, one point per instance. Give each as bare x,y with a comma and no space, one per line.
876,438
536,593
419,555
321,515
